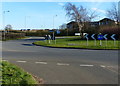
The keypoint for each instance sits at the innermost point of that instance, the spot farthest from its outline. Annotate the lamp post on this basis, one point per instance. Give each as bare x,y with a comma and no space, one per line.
53,26
26,21
4,22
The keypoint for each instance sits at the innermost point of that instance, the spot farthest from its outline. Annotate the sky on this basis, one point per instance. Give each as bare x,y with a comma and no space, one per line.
45,15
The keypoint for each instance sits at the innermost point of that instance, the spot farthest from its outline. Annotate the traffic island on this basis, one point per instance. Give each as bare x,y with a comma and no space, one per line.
76,43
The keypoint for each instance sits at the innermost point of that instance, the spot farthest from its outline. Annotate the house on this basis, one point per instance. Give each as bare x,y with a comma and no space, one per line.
72,25
105,21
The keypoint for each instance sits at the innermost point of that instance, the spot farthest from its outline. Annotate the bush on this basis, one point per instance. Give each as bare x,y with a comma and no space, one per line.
13,35
110,30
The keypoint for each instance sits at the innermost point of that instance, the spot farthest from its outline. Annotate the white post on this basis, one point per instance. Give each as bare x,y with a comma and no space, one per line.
100,42
53,28
114,43
106,42
87,42
95,42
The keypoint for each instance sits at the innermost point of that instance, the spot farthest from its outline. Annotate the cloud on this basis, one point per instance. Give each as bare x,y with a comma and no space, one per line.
61,4
99,10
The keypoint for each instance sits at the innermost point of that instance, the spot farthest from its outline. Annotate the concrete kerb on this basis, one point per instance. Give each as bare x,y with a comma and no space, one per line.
73,47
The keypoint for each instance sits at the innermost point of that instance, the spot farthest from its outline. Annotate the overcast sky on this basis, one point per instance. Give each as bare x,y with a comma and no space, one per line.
40,14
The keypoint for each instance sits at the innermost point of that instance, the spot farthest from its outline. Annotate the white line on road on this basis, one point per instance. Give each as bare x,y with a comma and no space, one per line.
102,66
41,62
86,65
5,60
21,61
63,64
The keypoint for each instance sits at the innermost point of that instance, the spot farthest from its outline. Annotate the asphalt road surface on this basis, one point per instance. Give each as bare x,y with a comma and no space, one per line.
63,66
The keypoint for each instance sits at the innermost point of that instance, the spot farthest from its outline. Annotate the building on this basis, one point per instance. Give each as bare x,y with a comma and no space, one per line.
105,21
72,25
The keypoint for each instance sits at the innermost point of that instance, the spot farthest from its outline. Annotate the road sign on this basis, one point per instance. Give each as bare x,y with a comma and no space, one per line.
51,31
94,39
113,37
58,32
77,34
93,36
105,36
100,37
86,36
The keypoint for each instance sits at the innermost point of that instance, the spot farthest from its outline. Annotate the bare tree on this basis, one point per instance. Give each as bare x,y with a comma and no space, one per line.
79,14
8,27
113,13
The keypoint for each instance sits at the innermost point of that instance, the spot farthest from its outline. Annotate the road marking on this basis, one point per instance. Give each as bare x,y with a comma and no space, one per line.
41,62
5,60
102,66
86,65
21,61
63,64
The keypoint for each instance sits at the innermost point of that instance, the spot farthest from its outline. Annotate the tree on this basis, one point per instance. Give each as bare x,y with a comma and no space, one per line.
63,26
113,13
79,15
8,27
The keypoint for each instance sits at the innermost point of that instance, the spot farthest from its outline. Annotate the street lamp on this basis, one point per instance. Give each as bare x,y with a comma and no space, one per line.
53,25
26,21
4,21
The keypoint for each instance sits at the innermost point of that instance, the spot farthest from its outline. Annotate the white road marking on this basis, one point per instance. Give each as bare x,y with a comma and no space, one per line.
21,61
41,62
63,64
86,65
102,66
5,60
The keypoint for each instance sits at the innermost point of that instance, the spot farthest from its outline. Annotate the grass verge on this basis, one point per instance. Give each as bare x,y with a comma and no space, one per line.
12,74
13,39
77,43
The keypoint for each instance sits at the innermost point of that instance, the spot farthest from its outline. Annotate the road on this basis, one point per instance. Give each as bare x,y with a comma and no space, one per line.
63,66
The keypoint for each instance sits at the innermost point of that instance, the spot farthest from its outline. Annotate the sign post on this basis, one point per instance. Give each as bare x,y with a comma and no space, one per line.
114,39
100,37
105,37
86,36
94,39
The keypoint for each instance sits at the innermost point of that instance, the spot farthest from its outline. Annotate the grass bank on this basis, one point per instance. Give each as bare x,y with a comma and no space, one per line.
12,74
13,39
77,43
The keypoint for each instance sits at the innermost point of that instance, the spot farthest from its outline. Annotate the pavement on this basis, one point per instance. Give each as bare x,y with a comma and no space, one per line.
60,65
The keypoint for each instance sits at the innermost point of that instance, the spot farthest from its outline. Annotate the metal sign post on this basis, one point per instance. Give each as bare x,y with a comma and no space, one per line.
105,37
94,39
100,37
86,36
114,39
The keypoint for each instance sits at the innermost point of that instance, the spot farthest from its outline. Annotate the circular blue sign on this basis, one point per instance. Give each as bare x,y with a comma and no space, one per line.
100,37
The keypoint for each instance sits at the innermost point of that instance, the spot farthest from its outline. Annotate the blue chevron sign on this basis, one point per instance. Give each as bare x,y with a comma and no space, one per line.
86,36
105,36
93,36
113,36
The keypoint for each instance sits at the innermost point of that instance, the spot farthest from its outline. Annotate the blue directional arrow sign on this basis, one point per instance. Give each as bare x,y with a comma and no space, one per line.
86,36
105,36
113,36
93,36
